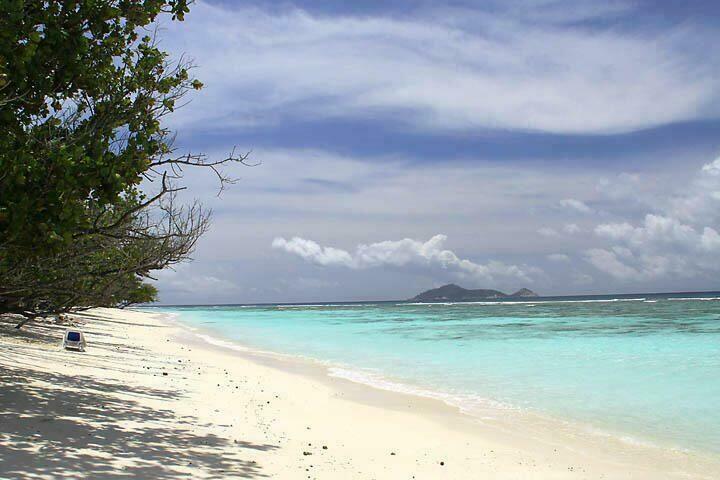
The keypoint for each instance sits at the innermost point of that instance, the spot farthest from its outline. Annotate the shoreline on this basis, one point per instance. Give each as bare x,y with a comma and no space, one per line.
503,418
181,406
490,412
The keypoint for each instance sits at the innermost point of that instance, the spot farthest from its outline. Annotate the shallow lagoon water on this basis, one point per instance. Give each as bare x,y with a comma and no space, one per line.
645,368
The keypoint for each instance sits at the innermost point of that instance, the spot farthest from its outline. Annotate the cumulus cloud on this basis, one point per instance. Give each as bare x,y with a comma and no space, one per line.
401,253
657,247
712,169
312,251
700,202
576,205
608,262
680,241
445,69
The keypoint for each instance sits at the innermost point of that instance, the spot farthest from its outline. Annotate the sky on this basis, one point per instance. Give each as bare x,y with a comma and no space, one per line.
570,147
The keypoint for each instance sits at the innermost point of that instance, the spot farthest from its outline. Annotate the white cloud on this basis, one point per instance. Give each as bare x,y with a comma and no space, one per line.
402,253
608,262
547,232
558,257
700,202
682,241
446,69
357,195
712,168
313,252
572,228
656,230
615,231
576,205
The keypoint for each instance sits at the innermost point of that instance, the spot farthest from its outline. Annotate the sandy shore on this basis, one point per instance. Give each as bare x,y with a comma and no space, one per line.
149,399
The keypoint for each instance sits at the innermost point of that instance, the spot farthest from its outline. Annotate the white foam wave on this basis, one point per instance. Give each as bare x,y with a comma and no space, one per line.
689,299
474,405
221,343
325,305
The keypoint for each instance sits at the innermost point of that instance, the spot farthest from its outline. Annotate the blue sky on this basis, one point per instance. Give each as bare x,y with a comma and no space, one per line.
565,146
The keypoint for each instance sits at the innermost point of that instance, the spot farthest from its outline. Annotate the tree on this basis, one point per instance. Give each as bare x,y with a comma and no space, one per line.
83,91
105,268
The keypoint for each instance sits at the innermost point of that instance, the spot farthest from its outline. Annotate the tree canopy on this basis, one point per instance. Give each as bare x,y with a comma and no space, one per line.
88,172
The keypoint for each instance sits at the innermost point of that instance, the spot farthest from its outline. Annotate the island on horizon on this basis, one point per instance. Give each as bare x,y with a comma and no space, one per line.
456,293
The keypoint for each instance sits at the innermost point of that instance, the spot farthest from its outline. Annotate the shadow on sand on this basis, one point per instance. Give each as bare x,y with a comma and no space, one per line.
54,425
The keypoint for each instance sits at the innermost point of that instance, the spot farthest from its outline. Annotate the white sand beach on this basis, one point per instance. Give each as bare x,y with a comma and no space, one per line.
150,399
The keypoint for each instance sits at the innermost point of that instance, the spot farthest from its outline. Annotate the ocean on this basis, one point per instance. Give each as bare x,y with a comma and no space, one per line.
643,367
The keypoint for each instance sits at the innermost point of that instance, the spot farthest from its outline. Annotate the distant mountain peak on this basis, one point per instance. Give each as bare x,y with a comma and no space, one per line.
524,292
455,293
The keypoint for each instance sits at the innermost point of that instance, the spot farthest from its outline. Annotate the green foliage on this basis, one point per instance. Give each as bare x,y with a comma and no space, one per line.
83,91
81,98
141,293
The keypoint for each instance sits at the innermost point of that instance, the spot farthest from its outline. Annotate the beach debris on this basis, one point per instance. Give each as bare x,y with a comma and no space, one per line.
307,453
165,374
73,340
442,463
324,447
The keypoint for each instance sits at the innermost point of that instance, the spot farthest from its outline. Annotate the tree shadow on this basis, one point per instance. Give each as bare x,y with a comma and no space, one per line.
56,425
43,331
104,319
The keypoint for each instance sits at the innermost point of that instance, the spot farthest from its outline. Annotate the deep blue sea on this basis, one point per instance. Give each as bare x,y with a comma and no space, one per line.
645,367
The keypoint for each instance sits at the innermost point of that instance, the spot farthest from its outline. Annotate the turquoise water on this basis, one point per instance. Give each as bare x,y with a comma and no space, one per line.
645,369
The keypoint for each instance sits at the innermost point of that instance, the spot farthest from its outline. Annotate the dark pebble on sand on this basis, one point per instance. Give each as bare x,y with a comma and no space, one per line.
442,463
164,374
307,453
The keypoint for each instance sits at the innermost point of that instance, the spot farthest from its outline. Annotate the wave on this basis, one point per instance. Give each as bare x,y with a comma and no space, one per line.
221,343
324,305
478,407
474,405
689,299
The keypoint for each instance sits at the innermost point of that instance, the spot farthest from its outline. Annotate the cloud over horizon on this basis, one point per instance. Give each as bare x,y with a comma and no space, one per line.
401,253
682,239
561,141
